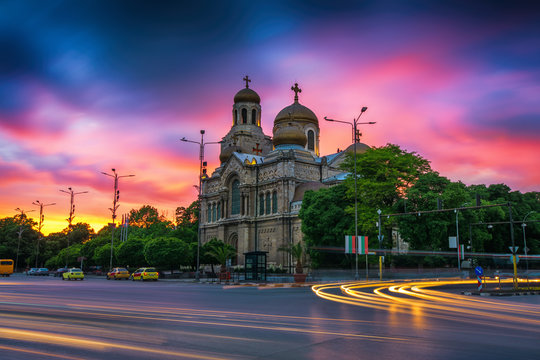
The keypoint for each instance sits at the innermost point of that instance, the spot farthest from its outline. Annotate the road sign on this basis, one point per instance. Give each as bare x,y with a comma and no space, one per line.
479,271
513,249
512,258
452,242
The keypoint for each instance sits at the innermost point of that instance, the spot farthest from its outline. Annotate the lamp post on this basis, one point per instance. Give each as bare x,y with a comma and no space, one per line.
71,214
41,219
116,198
523,226
356,135
201,159
19,233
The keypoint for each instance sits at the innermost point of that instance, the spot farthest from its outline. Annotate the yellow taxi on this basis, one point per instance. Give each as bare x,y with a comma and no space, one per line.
118,273
145,274
73,274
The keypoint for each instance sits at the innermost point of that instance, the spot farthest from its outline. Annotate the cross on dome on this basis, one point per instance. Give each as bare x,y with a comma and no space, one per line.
296,90
247,80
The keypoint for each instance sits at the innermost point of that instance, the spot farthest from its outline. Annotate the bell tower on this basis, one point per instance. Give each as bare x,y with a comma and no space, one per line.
246,135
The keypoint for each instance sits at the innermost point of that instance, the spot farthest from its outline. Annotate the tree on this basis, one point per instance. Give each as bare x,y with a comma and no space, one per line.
221,252
384,175
131,252
297,252
10,227
325,224
188,217
166,252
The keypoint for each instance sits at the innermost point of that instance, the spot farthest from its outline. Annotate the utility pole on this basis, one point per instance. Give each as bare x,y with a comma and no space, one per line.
202,173
116,198
21,230
41,219
356,139
71,214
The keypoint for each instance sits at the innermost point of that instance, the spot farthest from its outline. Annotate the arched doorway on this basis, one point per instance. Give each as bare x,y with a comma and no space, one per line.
233,241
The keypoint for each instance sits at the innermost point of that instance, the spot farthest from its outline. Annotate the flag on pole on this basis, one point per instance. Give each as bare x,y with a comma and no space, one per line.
362,245
356,247
350,244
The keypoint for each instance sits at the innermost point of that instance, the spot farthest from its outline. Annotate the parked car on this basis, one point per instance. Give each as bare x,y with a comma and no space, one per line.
145,274
118,273
60,271
74,274
42,272
32,271
95,270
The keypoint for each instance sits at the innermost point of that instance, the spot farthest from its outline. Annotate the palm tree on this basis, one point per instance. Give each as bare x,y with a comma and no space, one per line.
297,251
222,253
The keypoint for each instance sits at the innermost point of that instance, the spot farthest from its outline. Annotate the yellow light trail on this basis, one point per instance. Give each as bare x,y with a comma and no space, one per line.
418,297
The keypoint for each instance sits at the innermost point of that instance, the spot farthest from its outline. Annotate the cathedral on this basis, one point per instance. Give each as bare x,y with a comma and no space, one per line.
252,200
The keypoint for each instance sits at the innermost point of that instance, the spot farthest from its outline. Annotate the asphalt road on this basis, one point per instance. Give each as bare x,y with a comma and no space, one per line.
46,318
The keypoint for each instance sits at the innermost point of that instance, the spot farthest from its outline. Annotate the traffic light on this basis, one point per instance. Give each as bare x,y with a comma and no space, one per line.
439,204
478,200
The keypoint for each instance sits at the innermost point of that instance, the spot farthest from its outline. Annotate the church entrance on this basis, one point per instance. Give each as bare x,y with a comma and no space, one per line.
233,241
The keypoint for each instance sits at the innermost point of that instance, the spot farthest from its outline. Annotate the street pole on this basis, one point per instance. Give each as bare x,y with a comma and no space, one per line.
41,219
513,243
523,226
201,160
71,215
457,241
19,233
354,125
116,198
380,243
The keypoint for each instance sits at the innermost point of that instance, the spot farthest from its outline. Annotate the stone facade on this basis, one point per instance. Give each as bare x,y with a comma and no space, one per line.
251,201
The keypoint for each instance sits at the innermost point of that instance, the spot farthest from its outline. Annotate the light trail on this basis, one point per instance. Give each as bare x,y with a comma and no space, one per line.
418,297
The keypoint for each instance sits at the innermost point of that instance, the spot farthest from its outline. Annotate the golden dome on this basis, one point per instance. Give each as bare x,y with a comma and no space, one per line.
227,152
247,95
288,134
294,112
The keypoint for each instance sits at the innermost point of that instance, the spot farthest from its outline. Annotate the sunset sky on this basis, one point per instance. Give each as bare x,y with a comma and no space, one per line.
86,86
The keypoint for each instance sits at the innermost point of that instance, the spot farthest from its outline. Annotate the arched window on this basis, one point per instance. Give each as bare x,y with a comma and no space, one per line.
235,120
244,116
209,214
219,210
274,202
214,213
261,204
235,201
311,140
268,203
254,117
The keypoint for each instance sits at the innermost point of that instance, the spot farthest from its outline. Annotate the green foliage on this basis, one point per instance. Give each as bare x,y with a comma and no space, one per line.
221,252
384,175
131,252
325,223
10,227
167,252
297,252
102,255
207,247
188,217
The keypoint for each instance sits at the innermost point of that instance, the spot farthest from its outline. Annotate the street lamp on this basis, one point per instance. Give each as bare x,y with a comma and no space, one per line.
41,219
71,214
116,198
523,226
356,135
19,233
201,159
